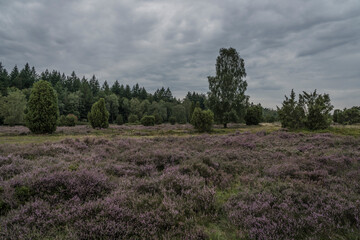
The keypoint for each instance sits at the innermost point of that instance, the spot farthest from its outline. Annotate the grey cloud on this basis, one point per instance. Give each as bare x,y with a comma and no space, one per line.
286,44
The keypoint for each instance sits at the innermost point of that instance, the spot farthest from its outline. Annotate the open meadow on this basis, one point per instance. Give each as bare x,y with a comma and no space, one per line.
170,182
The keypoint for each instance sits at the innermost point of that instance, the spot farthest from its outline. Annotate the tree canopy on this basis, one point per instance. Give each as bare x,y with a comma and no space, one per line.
227,97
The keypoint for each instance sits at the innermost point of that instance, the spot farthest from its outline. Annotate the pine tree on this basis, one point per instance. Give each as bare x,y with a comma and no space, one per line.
99,116
43,109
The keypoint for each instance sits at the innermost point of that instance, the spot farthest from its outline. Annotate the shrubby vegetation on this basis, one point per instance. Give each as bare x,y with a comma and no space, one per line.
260,185
347,116
42,111
70,120
12,108
99,116
148,120
202,120
311,111
253,115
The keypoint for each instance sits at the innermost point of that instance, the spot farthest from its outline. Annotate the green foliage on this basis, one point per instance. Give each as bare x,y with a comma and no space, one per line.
311,111
22,194
253,115
202,120
4,207
347,116
270,115
99,116
227,97
43,109
12,108
133,118
178,111
172,120
119,120
148,120
158,118
70,120
318,108
112,105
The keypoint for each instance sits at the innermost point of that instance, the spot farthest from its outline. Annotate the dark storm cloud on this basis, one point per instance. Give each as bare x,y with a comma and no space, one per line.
286,44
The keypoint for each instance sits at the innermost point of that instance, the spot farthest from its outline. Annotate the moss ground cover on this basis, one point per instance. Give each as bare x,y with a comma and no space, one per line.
135,182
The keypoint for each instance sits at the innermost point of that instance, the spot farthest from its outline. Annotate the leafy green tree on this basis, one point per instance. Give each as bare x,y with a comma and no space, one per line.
73,103
253,115
133,118
172,120
119,120
337,116
112,105
158,118
99,116
43,108
347,116
178,112
202,120
227,89
148,120
144,106
135,107
12,108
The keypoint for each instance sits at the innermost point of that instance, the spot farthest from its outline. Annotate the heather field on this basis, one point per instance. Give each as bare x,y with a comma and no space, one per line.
169,182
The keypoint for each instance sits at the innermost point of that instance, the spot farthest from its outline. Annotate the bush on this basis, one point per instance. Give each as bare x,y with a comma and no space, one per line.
133,118
148,120
347,116
43,108
119,120
202,120
70,120
158,118
172,120
312,111
253,115
99,116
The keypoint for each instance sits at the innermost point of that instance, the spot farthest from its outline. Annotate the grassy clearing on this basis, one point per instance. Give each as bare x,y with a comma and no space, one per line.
243,182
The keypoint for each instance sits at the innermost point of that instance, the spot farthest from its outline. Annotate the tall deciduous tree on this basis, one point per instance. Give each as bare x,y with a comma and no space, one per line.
227,89
43,108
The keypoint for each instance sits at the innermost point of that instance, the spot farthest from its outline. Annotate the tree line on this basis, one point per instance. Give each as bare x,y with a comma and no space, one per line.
125,104
226,101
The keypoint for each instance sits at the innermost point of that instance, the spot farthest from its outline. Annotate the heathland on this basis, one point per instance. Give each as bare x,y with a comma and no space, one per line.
170,182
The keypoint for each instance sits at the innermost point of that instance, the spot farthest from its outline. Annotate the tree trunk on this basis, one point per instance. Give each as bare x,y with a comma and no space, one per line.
225,125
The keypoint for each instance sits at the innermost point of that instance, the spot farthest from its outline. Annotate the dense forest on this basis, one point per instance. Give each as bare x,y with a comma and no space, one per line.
76,96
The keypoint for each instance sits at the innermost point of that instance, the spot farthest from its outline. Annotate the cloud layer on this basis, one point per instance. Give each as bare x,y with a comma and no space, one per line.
304,45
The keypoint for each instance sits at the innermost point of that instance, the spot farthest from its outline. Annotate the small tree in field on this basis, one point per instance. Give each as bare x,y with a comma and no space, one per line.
43,108
311,111
99,116
253,115
148,120
202,120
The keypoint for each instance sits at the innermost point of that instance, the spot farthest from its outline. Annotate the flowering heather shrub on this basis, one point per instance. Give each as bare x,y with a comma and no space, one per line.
263,186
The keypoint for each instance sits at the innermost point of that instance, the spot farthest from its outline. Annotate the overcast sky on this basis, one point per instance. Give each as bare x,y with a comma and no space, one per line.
299,44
